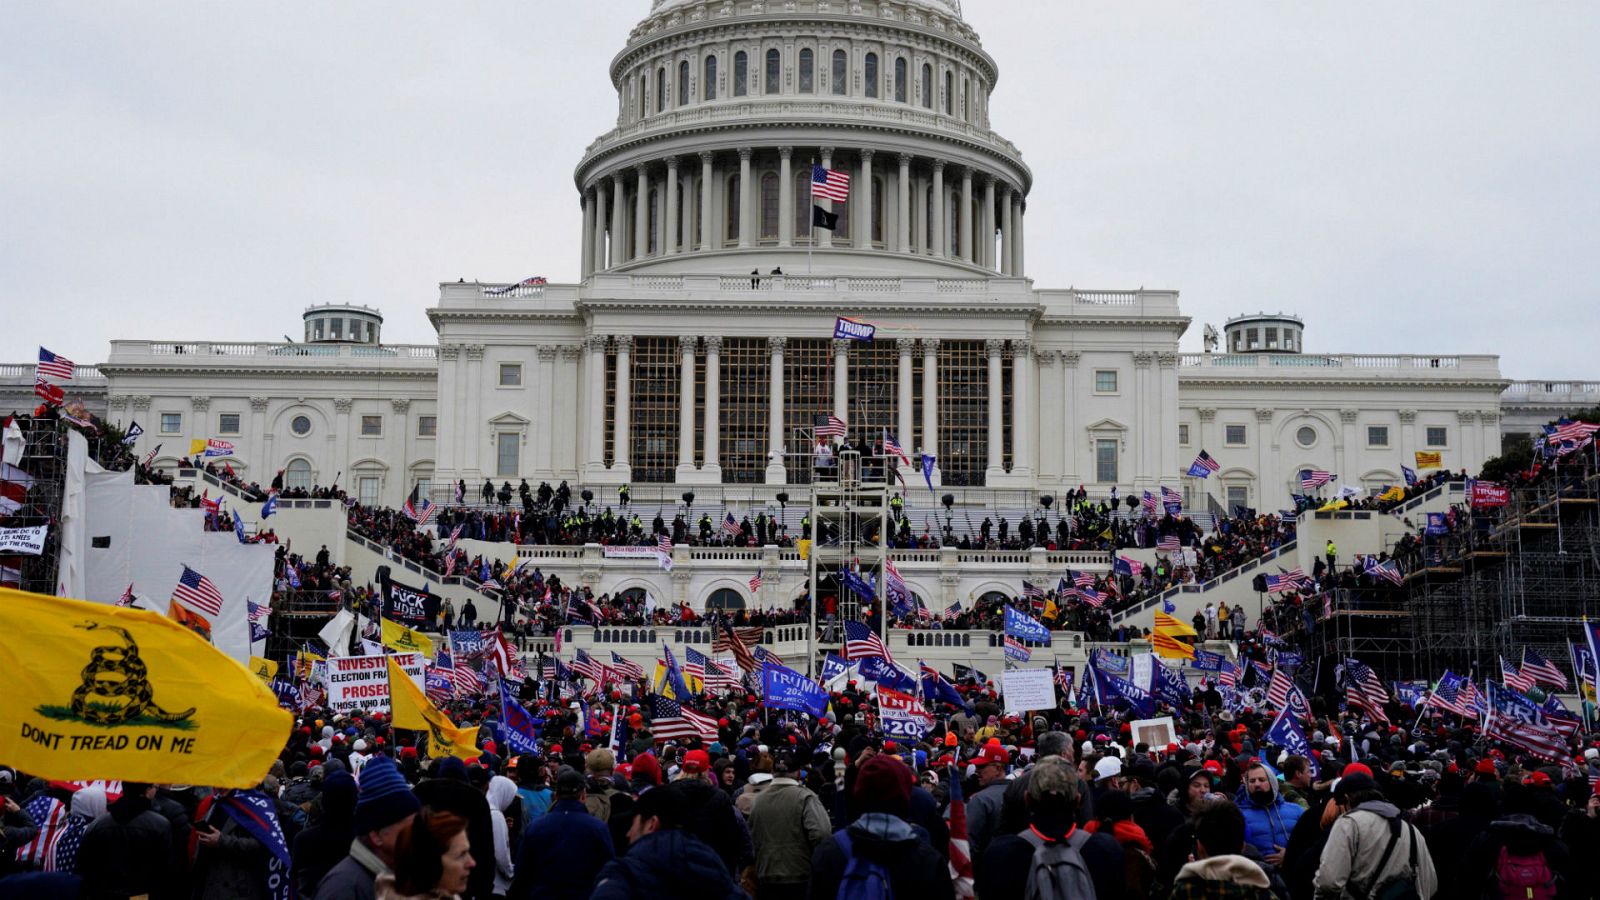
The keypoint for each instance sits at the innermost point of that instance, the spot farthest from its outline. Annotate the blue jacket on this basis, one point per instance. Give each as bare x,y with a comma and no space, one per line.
1267,827
665,865
562,852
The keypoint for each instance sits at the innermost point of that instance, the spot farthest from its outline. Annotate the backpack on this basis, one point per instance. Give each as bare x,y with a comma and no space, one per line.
1395,887
1057,871
1524,877
863,879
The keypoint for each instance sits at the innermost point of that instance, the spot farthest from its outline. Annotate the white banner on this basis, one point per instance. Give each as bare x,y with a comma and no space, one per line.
1028,689
362,682
24,541
652,553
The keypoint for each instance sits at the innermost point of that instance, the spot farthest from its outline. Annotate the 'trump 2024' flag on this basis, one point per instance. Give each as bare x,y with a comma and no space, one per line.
98,691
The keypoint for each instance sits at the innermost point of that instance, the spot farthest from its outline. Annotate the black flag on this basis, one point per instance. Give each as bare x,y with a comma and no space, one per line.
821,218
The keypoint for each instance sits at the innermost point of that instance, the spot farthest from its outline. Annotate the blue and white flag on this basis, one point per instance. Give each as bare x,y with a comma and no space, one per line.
519,729
1207,661
1114,689
238,529
271,506
928,461
833,667
784,688
1108,662
848,329
1025,627
1170,685
257,813
881,671
1410,474
1287,733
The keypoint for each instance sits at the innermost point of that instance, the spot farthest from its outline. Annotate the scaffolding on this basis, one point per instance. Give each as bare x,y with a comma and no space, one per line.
850,530
43,463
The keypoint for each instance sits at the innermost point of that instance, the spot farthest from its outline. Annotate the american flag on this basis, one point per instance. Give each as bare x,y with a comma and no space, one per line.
1364,690
53,366
1169,544
1228,675
1091,596
1538,740
764,656
1388,571
440,684
629,670
1566,431
1310,478
468,681
1203,465
1168,495
1292,580
1447,696
198,593
730,526
1514,679
755,582
1278,688
719,680
829,184
670,720
694,666
832,426
1542,670
664,544
455,535
861,641
960,846
588,667
1083,579
1151,504
50,817
737,641
1032,591
422,512
891,447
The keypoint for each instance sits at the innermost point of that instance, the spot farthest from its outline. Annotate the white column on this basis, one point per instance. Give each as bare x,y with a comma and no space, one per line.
713,428
785,198
746,229
587,248
598,239
706,180
824,237
686,346
622,447
619,240
841,379
1008,232
641,213
996,349
941,244
861,199
670,215
966,214
1025,412
930,401
986,239
777,469
903,400
1017,265
544,450
919,202
595,405
903,220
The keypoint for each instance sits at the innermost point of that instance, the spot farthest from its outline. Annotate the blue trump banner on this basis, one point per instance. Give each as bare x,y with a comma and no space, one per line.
1207,661
880,670
1025,627
1287,733
784,688
848,329
832,668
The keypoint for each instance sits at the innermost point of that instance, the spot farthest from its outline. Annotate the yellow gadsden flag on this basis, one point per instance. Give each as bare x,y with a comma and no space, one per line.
403,640
95,691
264,669
414,711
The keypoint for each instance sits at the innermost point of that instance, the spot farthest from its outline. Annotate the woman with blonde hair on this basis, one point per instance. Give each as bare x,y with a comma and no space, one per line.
432,859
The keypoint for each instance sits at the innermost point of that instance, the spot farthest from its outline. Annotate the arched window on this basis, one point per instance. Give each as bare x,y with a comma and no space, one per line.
774,72
726,598
841,73
708,88
952,222
927,86
769,206
878,211
869,75
807,70
642,89
731,216
683,83
966,99
297,474
900,79
949,92
661,89
741,74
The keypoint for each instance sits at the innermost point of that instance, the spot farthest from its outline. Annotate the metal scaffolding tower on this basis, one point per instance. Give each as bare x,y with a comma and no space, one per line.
850,532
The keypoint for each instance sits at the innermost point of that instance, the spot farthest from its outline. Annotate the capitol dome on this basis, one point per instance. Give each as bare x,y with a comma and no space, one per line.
724,107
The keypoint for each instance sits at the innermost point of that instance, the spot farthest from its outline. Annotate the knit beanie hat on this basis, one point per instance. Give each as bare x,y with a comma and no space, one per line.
383,798
883,784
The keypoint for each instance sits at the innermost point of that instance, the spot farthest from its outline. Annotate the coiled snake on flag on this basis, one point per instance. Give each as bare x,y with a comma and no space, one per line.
115,682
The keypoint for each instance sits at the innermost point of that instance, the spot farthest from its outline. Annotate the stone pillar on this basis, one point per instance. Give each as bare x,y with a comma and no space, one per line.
1018,266
641,213
986,239
930,400
966,214
619,240
785,198
1144,433
841,379
595,405
919,202
621,441
1024,409
903,217
686,347
598,239
587,249
706,179
996,411
1347,448
940,242
862,228
904,400
670,214
777,463
1408,434
1070,465
713,429
746,226
822,236
544,451
1008,232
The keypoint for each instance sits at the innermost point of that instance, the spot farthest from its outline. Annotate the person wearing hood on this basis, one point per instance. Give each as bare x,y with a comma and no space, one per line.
502,793
1218,860
128,851
88,804
564,849
320,847
665,862
882,835
1268,818
1352,863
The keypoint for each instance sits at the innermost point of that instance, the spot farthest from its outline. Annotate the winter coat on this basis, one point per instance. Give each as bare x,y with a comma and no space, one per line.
317,850
667,865
1268,826
983,815
1221,876
502,791
352,878
386,890
235,868
562,852
713,819
1355,847
126,852
787,822
915,869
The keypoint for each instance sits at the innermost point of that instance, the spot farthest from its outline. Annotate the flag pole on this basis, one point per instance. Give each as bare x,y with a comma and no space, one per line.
811,197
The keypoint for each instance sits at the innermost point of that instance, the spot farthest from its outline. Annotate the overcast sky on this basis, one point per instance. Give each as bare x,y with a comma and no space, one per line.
1408,177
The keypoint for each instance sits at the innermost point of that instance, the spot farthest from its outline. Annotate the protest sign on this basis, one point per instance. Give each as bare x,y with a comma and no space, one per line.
1028,689
362,682
411,607
23,541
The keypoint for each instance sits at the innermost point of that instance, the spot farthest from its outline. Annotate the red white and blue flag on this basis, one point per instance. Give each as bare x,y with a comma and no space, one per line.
831,426
53,366
198,593
1203,465
891,447
1311,478
829,184
960,846
1542,670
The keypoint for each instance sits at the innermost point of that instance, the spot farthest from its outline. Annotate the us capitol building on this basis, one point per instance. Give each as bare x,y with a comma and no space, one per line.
672,366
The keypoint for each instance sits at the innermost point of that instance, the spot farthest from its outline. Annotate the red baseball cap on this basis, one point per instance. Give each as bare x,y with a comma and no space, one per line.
1356,769
992,754
696,761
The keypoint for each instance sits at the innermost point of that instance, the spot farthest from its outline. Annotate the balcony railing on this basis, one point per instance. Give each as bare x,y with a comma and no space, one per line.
25,371
125,352
1484,365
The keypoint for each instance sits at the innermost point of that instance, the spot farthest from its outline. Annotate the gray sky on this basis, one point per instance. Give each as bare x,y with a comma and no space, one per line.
1409,177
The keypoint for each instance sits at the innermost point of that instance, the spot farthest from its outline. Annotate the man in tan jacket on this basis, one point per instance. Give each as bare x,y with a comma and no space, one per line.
787,822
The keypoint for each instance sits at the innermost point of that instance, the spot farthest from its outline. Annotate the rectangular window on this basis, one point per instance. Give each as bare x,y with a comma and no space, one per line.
367,490
1238,496
371,426
507,447
1272,338
1436,436
427,426
1234,435
171,423
1105,461
510,375
1105,381
1183,433
1377,435
228,423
